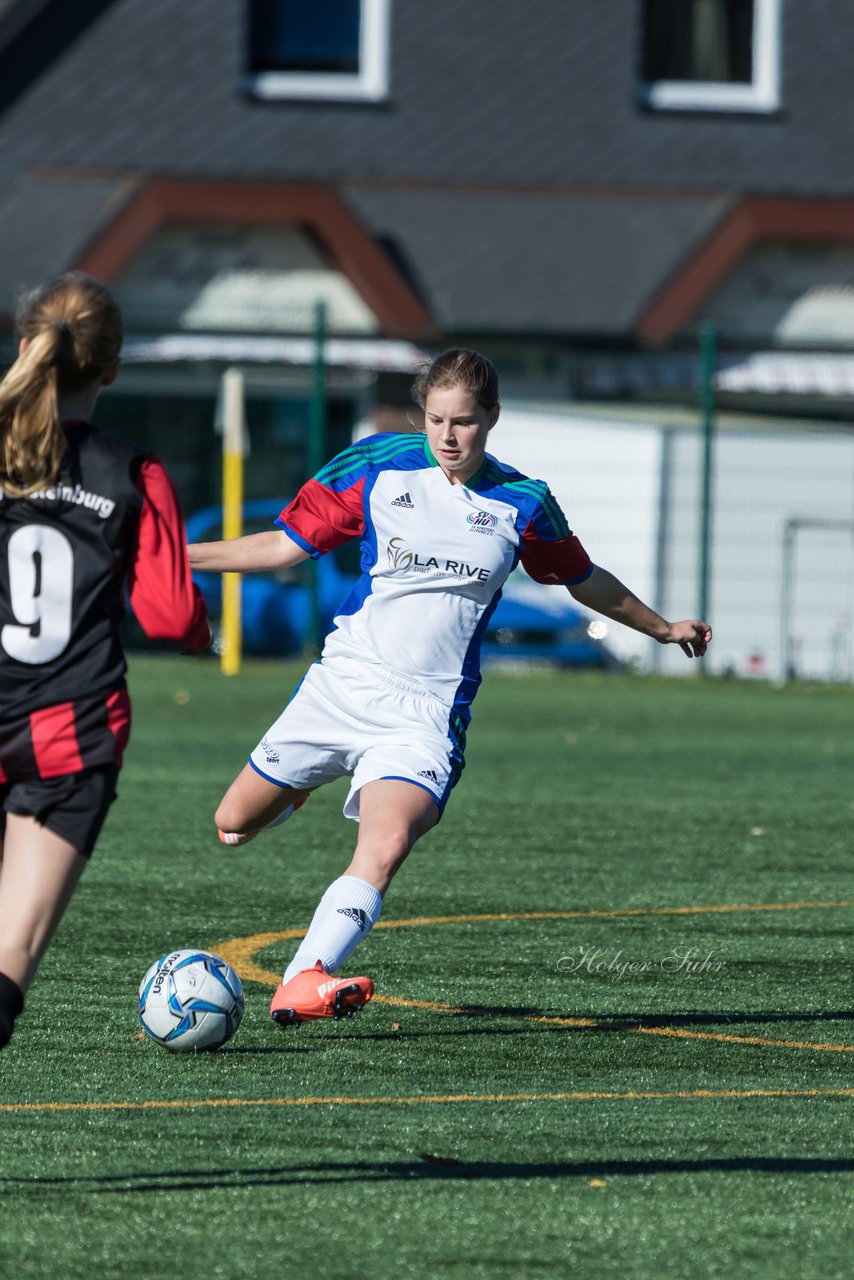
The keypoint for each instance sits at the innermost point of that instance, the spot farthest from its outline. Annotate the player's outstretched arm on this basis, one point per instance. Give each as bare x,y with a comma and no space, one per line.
607,595
254,553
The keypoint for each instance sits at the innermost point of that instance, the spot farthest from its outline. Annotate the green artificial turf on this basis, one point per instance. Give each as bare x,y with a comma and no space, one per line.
523,1120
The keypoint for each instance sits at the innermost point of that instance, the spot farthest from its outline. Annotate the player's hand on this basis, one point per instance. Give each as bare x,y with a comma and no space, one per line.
692,636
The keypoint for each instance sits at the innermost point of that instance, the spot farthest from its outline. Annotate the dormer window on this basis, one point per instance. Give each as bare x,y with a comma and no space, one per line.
711,55
327,49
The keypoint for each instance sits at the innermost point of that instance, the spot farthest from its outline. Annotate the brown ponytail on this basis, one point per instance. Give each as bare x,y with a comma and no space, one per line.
73,328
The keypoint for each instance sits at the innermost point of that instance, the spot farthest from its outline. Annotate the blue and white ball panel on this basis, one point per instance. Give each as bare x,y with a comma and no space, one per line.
190,999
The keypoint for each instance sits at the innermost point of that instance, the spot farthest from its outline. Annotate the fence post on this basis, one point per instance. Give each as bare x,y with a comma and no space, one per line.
233,453
316,455
708,362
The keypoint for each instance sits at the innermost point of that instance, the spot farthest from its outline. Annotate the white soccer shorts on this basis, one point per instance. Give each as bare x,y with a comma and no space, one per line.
366,722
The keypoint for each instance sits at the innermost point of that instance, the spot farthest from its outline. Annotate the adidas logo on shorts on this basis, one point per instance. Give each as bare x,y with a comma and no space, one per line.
356,914
430,775
405,500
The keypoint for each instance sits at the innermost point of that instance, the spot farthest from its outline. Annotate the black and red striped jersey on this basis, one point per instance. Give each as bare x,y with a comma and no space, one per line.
66,555
67,737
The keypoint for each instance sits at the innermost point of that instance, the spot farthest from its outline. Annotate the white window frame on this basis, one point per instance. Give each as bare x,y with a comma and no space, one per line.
369,84
761,95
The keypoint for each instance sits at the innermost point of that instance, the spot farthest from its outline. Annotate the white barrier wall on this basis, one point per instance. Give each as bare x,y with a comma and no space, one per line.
627,487
606,477
761,481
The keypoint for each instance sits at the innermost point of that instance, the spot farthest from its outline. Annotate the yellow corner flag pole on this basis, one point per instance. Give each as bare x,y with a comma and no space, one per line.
233,451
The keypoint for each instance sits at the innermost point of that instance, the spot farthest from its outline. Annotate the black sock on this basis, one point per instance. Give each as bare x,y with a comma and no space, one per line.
11,1004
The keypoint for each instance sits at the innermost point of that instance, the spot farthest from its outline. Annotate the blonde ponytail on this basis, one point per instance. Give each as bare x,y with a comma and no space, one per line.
73,332
33,441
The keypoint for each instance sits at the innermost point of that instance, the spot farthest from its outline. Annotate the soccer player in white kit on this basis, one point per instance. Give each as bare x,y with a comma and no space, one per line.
441,525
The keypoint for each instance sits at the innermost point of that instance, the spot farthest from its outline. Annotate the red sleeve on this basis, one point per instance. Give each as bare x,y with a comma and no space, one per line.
563,561
166,601
319,518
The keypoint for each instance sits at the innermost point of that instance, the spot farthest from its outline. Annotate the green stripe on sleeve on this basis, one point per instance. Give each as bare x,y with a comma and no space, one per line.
357,455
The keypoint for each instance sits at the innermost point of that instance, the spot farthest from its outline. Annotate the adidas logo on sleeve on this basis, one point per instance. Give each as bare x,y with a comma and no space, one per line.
405,500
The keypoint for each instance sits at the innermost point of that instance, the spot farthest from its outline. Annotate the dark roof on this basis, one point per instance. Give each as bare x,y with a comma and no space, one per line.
34,33
511,170
590,263
536,261
480,92
47,224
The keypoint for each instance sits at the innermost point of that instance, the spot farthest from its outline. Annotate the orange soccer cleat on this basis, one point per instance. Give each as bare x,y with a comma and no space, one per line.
313,993
236,837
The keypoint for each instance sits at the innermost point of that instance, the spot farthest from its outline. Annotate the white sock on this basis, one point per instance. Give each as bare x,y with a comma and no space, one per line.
345,914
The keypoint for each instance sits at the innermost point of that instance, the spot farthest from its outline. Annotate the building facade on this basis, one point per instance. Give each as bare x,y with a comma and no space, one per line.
576,189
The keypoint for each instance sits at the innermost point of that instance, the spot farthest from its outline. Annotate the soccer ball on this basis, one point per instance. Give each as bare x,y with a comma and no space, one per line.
190,1000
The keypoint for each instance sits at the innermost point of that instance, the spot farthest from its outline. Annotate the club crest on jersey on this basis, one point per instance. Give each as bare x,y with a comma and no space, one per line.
481,522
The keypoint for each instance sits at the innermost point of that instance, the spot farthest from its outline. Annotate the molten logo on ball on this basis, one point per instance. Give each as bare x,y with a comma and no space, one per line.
190,1000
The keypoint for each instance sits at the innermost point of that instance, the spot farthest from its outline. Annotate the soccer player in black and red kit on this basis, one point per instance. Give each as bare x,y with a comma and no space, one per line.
83,514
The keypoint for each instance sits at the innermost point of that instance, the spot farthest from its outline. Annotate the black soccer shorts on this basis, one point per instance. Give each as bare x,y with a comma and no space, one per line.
73,806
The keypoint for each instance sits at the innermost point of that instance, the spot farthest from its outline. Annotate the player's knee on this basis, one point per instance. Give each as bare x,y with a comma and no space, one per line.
229,816
400,842
385,853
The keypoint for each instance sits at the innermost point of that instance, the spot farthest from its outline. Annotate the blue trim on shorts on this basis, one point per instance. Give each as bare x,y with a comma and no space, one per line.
299,685
446,794
396,777
457,726
284,785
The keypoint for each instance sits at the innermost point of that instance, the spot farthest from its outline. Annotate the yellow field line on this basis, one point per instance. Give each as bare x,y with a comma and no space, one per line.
241,952
597,913
602,1024
406,1100
681,1033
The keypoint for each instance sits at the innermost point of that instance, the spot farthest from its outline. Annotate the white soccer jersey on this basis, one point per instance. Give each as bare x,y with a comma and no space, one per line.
435,556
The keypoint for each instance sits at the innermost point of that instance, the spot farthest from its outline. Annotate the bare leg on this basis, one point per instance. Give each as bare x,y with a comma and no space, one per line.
39,873
392,816
251,802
